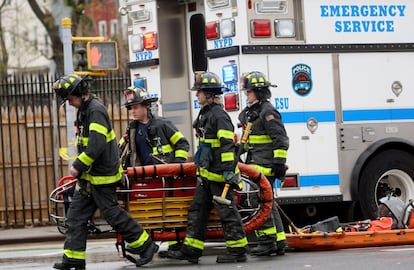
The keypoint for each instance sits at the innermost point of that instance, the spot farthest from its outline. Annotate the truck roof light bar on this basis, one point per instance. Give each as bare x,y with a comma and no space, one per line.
260,28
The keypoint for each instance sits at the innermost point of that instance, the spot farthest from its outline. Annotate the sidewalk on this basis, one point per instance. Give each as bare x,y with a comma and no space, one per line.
30,235
37,234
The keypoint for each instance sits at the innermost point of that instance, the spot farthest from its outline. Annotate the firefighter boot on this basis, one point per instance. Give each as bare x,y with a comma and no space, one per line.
68,264
264,249
281,247
185,253
233,255
164,253
147,255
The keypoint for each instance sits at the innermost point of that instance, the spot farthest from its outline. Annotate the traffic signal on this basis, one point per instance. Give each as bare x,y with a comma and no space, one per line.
102,55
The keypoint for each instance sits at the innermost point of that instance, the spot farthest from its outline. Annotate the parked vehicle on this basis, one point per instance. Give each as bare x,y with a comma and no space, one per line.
342,72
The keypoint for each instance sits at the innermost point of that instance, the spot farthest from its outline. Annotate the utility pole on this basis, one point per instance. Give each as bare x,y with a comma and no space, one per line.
68,69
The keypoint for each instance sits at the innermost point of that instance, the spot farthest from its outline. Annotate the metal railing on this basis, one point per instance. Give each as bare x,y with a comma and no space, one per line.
32,131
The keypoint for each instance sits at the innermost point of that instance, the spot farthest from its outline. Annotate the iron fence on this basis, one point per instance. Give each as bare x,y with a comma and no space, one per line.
32,133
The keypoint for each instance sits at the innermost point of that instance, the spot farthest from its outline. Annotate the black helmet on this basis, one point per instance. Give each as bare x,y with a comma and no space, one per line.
70,85
257,82
254,80
136,95
208,82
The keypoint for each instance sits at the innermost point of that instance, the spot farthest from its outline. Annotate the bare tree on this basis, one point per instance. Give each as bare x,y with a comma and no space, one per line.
3,50
45,17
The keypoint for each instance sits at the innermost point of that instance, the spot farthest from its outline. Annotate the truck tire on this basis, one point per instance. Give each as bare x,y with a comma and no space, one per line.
390,172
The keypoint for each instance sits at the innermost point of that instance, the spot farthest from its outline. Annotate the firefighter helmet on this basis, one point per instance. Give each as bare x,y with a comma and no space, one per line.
257,82
254,80
208,82
71,84
137,95
396,207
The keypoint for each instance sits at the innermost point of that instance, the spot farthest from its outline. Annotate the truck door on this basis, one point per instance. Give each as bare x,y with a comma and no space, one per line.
305,98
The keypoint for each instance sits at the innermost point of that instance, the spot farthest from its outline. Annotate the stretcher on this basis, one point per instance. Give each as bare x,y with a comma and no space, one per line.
342,240
158,197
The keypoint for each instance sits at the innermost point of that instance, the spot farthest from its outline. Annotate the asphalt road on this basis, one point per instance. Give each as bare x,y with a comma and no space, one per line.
102,255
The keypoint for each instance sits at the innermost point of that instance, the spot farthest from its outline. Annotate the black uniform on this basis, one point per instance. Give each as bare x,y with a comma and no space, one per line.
215,155
158,137
100,171
157,141
267,146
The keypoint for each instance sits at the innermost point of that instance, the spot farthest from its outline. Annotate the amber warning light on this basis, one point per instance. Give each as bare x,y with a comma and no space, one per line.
102,55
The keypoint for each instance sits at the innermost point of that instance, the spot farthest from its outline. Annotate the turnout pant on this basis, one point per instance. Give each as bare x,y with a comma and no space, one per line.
199,213
82,208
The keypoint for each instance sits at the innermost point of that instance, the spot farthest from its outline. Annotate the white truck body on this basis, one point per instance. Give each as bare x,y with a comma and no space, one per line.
342,76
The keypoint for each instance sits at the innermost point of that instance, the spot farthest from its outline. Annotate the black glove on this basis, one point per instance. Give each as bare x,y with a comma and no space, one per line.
231,178
279,170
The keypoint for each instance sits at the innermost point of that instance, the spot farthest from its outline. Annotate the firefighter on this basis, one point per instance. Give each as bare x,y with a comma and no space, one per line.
266,151
98,172
153,140
216,166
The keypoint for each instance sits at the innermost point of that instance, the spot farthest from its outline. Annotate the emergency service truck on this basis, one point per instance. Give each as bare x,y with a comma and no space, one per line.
342,70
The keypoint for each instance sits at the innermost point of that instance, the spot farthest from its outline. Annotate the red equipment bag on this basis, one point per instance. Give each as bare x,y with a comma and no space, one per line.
381,224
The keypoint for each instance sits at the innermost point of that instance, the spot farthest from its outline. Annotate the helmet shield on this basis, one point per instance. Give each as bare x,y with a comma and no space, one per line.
137,95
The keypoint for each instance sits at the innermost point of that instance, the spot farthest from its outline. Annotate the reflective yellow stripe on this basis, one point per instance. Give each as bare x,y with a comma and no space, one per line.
111,136
214,142
87,160
237,243
280,153
195,243
98,128
181,154
214,176
102,130
176,137
140,241
259,139
223,133
263,170
83,140
268,231
74,254
210,175
281,236
102,180
121,141
227,156
165,149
